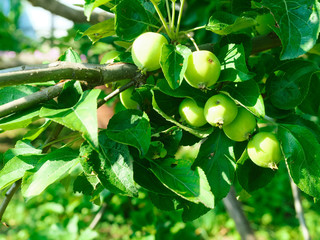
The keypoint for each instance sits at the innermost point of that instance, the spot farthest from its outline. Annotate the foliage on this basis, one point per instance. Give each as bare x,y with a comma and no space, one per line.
137,152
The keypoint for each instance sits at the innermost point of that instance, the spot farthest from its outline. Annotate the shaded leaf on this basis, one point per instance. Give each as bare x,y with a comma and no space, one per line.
176,174
250,176
298,25
248,95
302,154
131,127
216,158
289,85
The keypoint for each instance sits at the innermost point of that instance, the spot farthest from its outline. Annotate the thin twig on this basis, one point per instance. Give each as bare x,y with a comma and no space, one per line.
235,211
138,79
52,137
8,196
31,100
299,210
99,216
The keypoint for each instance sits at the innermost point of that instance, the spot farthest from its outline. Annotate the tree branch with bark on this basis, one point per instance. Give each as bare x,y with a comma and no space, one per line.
72,14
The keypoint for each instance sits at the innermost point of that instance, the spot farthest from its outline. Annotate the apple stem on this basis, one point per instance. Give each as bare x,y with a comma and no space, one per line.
194,42
173,6
162,19
193,29
169,14
179,17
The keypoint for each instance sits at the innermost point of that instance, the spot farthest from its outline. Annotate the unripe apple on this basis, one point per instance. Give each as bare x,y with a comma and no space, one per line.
220,110
146,50
203,69
241,127
126,99
263,23
264,150
192,113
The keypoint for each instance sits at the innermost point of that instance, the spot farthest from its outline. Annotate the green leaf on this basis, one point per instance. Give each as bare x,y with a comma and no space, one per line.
250,176
81,117
9,94
70,56
216,158
145,178
118,160
274,112
302,154
192,211
20,119
162,202
16,167
200,132
298,25
176,174
224,23
49,169
233,64
100,30
70,95
22,147
185,90
295,119
112,165
311,103
240,6
90,5
174,61
131,127
131,18
83,185
289,85
36,132
247,94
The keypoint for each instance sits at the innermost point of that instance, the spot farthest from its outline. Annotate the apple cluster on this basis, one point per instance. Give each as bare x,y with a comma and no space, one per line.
237,123
220,110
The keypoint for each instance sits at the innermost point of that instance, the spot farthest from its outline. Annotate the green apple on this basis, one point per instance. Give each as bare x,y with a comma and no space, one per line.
220,110
126,99
192,113
203,69
241,127
264,150
146,51
263,23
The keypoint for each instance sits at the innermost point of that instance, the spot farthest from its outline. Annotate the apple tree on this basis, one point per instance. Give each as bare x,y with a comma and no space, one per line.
237,78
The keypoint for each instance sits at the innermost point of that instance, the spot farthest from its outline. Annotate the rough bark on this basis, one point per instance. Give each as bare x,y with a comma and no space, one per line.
74,15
